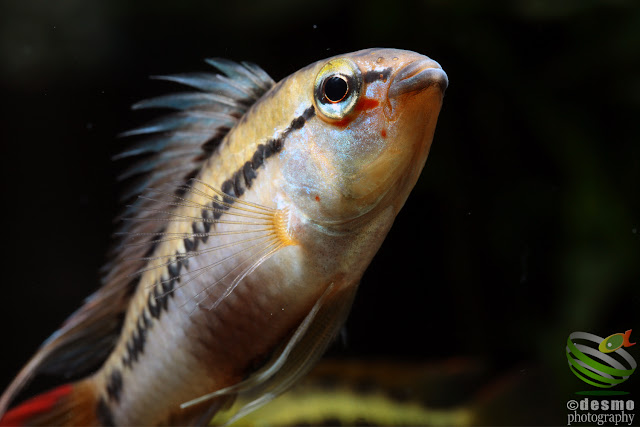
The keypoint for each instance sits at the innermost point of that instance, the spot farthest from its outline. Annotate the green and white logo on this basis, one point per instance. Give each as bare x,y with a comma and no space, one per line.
600,362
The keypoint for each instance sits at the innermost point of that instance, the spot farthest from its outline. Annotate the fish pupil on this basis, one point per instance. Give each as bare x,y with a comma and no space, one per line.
335,89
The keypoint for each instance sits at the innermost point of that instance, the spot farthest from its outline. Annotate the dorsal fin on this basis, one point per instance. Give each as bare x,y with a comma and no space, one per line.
174,149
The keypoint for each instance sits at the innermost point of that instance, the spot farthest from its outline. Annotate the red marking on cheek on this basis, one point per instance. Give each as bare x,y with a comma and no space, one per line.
317,198
367,104
343,123
383,133
363,105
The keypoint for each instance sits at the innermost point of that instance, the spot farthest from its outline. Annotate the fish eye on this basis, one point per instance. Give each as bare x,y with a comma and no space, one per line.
337,88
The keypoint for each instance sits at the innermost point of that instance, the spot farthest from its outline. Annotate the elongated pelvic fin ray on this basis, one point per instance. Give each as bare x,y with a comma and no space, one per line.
295,357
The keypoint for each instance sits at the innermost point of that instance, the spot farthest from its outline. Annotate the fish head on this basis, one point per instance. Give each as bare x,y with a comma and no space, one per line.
375,116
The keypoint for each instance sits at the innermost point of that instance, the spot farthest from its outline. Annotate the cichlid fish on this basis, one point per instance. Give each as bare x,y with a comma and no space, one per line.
262,205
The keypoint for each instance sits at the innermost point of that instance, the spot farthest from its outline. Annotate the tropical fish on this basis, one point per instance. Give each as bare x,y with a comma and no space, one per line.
261,206
616,341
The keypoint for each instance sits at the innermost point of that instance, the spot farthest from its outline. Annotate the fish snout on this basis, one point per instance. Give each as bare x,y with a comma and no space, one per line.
417,76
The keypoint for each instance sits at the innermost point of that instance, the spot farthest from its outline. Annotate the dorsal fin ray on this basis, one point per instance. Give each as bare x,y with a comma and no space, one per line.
189,100
188,120
188,136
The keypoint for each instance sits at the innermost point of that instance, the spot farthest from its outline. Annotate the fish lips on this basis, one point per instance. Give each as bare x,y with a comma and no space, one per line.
418,76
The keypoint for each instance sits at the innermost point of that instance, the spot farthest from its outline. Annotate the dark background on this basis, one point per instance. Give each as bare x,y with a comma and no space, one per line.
523,228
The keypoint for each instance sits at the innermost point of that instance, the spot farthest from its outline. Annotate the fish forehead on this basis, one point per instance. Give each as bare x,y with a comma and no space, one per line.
377,58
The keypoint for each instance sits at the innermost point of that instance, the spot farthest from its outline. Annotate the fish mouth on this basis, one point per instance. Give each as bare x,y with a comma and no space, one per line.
418,76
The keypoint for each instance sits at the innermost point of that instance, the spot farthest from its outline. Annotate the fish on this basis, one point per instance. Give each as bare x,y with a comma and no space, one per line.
616,341
260,206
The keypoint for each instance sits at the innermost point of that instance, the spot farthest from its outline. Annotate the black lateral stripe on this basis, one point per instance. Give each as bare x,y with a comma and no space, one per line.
249,174
174,268
217,213
235,186
153,305
207,215
129,356
169,285
142,333
298,122
373,75
114,385
238,186
157,302
184,261
189,244
161,298
227,188
199,228
276,145
258,157
269,149
138,343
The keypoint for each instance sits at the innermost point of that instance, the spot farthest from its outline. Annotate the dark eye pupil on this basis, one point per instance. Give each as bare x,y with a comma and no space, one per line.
335,89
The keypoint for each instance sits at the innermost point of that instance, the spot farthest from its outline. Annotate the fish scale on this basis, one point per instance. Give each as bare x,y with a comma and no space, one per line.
237,266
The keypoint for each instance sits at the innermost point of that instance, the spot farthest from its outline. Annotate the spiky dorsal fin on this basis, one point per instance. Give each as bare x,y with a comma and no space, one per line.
174,148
